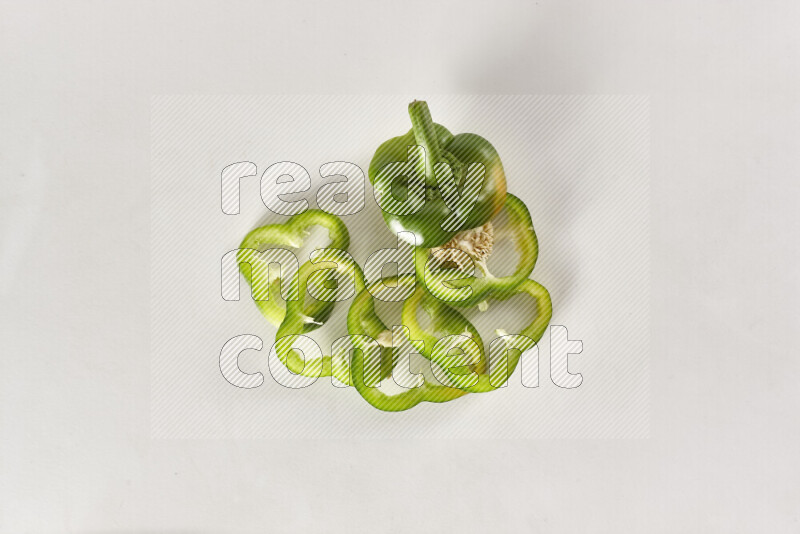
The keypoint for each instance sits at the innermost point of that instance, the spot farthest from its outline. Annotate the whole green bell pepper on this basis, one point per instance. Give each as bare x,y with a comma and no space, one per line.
441,146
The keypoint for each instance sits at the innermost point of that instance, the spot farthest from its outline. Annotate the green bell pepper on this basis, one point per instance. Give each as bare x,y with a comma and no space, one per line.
453,234
441,146
365,325
468,372
457,285
290,235
296,318
504,351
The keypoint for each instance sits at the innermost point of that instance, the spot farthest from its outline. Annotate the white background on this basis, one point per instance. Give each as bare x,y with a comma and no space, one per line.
77,79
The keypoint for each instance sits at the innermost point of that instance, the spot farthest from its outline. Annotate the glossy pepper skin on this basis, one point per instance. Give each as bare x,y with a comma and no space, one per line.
440,145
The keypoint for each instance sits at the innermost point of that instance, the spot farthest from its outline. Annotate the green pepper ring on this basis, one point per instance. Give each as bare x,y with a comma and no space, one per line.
533,332
290,234
527,246
297,316
363,321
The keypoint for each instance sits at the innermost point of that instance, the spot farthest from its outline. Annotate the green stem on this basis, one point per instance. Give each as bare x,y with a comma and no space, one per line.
425,136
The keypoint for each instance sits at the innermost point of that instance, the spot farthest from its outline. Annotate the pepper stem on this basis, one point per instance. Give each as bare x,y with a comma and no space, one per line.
425,136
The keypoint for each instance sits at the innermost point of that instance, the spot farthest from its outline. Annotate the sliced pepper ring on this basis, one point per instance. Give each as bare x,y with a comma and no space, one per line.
452,284
297,315
290,235
504,351
365,325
